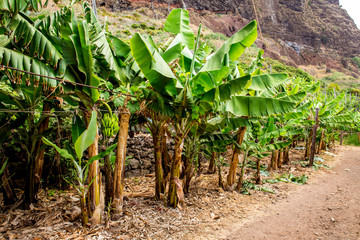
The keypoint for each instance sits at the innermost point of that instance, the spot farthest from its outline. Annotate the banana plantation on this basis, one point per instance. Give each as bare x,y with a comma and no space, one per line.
71,92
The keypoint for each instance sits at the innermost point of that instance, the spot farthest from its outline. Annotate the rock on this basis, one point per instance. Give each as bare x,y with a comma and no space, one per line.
134,164
75,214
332,220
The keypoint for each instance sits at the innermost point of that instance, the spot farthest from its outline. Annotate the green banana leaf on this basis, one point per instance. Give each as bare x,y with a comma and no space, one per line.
84,57
26,36
77,128
178,23
218,64
15,6
20,61
268,81
87,137
297,97
257,106
63,152
153,66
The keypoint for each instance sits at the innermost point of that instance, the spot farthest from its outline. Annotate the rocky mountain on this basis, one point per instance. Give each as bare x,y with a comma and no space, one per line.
298,32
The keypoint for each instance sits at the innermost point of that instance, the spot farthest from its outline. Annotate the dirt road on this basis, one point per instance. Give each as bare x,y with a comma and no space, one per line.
328,208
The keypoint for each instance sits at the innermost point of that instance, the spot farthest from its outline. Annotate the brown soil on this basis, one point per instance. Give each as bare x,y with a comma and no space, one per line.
325,208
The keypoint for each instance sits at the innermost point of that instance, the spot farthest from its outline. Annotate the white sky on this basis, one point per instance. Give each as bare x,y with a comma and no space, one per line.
353,9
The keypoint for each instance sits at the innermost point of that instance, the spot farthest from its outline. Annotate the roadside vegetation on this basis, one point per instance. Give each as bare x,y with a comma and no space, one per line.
72,87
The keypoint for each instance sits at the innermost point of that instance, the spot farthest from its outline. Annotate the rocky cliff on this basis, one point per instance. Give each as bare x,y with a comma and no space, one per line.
299,32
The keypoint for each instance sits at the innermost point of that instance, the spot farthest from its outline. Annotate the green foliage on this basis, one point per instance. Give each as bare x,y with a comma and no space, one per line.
135,26
288,178
246,185
3,168
201,96
335,76
333,86
279,67
178,23
352,139
356,61
87,137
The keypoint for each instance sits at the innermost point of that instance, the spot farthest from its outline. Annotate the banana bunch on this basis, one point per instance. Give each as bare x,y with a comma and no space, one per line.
256,129
110,125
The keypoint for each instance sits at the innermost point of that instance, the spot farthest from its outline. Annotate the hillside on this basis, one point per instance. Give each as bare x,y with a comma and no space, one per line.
315,33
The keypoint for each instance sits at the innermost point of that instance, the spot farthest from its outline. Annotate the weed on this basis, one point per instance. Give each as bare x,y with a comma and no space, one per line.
126,32
246,185
51,193
135,26
143,26
356,61
334,76
288,178
352,139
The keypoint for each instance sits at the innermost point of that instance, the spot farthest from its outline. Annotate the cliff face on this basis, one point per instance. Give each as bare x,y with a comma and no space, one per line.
297,31
317,30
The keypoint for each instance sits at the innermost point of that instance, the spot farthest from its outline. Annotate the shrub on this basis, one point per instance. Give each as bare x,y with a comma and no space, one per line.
334,76
334,86
135,25
352,139
356,61
143,26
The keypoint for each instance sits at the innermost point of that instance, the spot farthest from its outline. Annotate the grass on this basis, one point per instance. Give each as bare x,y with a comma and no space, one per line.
356,61
352,139
279,67
335,76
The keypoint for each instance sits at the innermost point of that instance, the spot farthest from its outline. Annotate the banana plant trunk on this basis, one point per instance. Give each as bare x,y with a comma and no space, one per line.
320,147
258,175
341,137
189,173
174,188
212,166
308,146
239,184
286,156
95,180
84,212
119,173
159,178
165,156
109,180
273,161
36,160
280,158
9,194
231,178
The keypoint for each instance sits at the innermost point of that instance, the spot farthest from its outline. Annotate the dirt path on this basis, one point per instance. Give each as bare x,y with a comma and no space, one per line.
327,208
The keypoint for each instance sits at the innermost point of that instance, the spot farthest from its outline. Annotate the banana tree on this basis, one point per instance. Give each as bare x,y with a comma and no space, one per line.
82,140
26,48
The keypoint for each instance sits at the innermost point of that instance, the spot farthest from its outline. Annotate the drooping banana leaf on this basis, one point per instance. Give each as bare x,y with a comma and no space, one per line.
297,97
15,6
268,81
257,106
20,61
27,37
153,66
